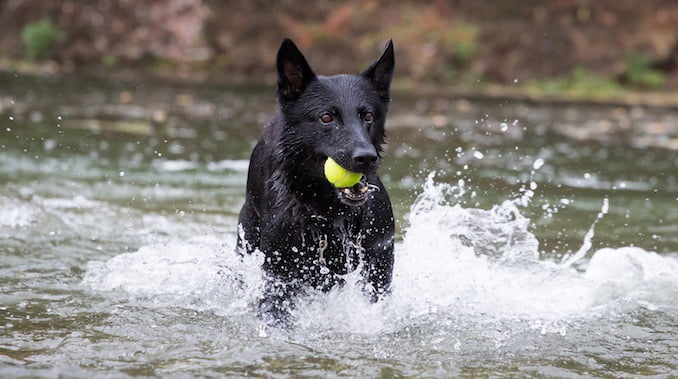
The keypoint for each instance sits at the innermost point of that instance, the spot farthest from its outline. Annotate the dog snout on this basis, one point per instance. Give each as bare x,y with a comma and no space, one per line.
364,158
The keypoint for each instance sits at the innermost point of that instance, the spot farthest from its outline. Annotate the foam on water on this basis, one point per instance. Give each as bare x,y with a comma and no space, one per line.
16,214
196,274
466,263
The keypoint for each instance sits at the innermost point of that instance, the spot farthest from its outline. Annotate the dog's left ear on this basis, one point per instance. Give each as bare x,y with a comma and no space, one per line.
380,72
294,73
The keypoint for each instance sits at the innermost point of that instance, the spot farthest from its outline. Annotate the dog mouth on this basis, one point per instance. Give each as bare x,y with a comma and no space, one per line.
356,194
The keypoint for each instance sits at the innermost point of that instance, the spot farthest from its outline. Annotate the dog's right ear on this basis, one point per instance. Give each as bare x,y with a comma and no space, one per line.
294,73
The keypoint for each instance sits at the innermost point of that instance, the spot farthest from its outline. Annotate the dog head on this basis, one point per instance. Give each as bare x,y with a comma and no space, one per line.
340,116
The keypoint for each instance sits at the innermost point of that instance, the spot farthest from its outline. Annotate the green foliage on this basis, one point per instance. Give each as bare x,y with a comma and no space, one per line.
456,47
579,83
109,61
38,38
464,41
639,72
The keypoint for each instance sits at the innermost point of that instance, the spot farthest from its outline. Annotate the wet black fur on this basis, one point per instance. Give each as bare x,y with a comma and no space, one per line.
290,207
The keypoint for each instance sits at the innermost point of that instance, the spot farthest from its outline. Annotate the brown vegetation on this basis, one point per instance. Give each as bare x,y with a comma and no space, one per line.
450,42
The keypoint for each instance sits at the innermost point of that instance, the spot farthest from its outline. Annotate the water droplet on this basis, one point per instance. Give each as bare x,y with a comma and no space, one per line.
478,155
121,173
503,126
538,163
11,118
606,206
262,331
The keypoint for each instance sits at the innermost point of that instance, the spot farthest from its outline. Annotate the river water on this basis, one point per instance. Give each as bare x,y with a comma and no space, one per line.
534,240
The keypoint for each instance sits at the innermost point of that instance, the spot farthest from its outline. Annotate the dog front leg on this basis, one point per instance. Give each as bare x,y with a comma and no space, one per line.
275,308
248,236
378,271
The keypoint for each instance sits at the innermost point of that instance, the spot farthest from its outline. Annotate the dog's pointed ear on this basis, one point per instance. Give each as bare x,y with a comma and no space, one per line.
380,72
294,73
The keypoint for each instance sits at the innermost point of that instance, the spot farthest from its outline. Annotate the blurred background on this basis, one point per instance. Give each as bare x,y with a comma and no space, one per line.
561,48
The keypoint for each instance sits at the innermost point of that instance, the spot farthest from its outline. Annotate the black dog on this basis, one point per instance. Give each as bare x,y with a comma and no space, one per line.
310,232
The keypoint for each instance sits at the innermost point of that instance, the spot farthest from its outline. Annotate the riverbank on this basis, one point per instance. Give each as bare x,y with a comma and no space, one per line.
523,92
574,50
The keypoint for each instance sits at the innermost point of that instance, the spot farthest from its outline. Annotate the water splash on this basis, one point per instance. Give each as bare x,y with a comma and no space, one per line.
198,274
586,246
455,265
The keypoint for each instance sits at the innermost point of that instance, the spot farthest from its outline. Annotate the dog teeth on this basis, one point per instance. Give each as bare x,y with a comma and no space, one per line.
347,191
364,189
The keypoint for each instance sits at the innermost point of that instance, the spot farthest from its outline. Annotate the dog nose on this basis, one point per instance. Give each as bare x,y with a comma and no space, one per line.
363,157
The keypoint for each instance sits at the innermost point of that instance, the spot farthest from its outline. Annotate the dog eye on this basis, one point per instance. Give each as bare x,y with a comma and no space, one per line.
368,117
326,118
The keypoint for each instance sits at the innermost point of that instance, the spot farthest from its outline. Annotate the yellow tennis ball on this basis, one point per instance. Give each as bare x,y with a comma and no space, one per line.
339,176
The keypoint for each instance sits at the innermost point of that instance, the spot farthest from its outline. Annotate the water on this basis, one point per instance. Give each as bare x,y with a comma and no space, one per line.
530,242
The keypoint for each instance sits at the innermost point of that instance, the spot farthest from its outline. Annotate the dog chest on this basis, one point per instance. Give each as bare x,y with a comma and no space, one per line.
318,248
